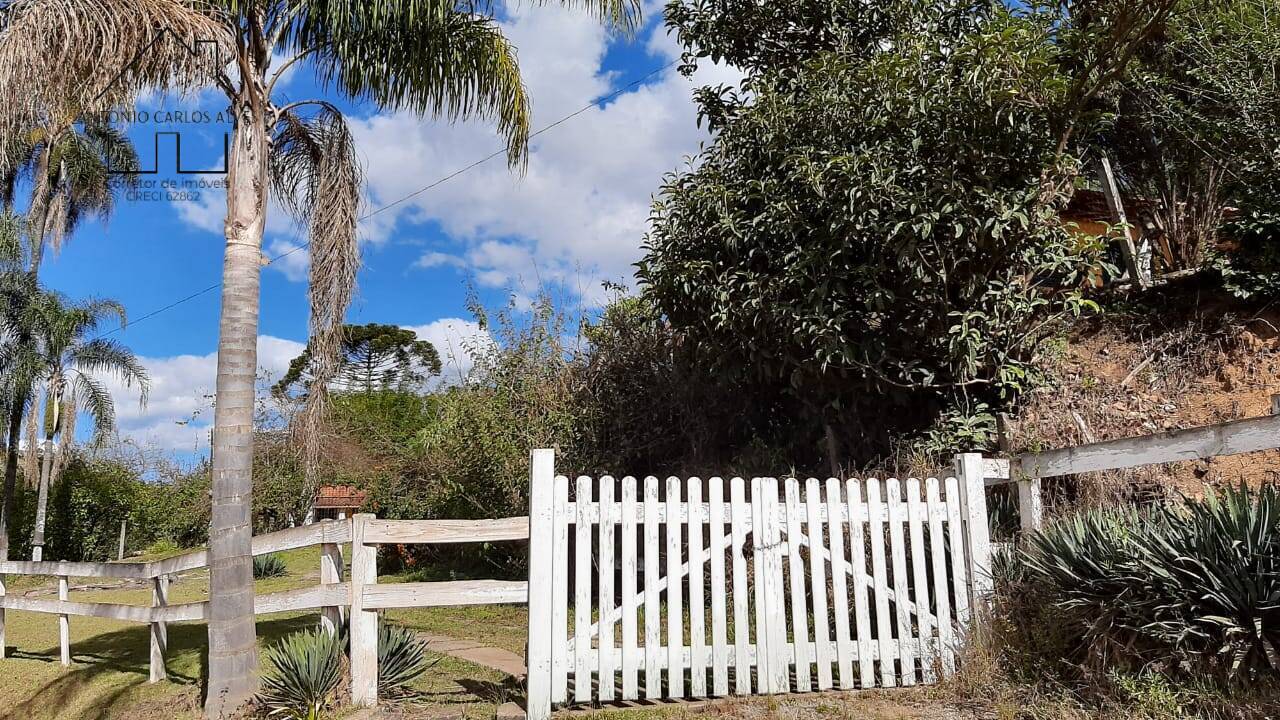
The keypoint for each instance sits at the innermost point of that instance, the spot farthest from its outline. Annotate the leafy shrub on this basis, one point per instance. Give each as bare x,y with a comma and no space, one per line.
306,669
402,658
163,546
268,566
1191,590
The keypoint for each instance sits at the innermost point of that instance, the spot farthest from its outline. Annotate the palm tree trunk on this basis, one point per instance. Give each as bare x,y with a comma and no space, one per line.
11,472
46,472
233,651
41,195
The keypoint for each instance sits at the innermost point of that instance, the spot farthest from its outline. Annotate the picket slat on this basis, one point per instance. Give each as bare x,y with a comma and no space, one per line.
839,591
920,580
759,575
818,584
777,665
560,593
906,665
955,532
608,519
697,608
803,649
741,621
675,592
858,553
582,592
719,625
880,576
630,608
652,613
942,603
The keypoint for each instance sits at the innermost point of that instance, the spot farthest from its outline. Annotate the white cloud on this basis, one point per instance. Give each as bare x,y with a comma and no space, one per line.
179,412
459,343
579,214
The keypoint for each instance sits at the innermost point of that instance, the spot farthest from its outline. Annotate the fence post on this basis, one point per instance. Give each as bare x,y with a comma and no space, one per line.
973,503
364,623
541,556
159,629
1030,508
331,573
2,593
64,621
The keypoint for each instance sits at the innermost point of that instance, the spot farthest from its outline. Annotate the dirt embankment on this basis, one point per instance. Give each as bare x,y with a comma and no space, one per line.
1167,366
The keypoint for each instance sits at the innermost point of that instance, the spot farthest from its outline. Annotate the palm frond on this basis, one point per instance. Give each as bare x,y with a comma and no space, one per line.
30,436
102,356
316,174
420,56
94,398
65,57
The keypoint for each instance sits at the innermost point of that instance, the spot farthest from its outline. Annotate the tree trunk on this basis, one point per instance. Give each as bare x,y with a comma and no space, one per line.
46,472
41,195
233,651
11,473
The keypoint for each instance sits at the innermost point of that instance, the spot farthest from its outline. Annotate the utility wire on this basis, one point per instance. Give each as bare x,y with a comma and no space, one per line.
602,99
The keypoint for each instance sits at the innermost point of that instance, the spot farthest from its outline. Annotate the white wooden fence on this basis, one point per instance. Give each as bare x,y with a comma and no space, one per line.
808,585
362,593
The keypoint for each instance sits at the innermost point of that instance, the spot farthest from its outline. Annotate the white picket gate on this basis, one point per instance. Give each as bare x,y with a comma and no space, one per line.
761,586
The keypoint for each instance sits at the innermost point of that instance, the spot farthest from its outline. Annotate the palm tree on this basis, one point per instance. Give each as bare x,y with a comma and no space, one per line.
71,360
445,58
71,165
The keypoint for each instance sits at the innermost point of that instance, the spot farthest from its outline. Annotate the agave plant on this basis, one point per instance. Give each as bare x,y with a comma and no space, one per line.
402,658
268,566
306,669
1192,588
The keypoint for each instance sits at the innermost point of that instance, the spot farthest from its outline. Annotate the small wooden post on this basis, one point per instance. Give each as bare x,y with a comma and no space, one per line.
1138,261
2,592
364,623
64,621
541,557
159,630
1275,404
973,502
1030,506
120,553
331,573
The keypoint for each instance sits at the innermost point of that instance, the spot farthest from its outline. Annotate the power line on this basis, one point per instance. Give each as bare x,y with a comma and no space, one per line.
602,99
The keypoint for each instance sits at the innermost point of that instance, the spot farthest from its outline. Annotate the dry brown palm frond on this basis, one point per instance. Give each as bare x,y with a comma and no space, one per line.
67,57
316,175
67,435
30,453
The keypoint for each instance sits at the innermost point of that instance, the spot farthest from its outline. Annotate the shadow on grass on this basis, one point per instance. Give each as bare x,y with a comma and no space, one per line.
107,667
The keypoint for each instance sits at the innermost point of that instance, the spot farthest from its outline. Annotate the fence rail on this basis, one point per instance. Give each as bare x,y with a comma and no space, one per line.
1235,437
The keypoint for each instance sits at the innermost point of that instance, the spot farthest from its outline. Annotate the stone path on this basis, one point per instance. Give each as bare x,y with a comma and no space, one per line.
504,661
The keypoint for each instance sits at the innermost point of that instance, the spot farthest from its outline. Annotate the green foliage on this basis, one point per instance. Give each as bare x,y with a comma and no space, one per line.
374,357
877,225
1191,590
305,670
268,566
402,659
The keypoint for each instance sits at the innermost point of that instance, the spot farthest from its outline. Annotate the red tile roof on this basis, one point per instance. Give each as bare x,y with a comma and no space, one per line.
340,496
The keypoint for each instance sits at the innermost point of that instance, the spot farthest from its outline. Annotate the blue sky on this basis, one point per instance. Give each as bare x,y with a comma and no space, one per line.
575,219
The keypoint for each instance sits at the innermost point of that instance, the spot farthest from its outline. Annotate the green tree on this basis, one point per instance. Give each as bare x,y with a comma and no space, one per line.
373,357
432,57
876,225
